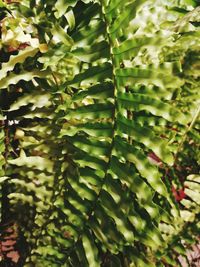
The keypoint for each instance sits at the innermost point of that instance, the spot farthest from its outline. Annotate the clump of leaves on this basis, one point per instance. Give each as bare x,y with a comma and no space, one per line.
94,99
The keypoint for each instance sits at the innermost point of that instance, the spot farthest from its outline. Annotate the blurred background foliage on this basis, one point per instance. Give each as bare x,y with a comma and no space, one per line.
99,132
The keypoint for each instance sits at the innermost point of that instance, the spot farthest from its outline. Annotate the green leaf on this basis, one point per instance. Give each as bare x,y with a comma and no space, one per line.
194,195
4,178
136,185
147,171
32,161
101,129
19,58
25,76
156,107
61,7
92,146
91,251
88,34
194,177
92,75
92,53
70,19
1,118
84,160
99,91
82,190
123,225
38,101
91,112
160,76
146,136
62,36
125,17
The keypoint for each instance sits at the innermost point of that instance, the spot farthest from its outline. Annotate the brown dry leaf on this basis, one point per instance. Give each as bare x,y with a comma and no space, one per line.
8,242
14,256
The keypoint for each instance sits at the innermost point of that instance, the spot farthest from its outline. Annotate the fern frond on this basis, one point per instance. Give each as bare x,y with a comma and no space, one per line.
109,90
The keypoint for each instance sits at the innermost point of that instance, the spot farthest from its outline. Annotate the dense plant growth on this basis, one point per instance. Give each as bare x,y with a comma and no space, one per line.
99,132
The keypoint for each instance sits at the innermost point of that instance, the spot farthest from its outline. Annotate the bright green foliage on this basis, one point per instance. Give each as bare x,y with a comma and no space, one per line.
2,162
93,89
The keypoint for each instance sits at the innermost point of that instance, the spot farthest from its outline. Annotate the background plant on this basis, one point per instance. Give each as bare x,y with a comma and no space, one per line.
99,131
